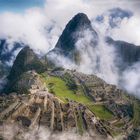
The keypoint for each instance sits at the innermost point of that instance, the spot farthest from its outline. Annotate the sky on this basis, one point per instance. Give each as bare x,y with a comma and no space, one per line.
19,5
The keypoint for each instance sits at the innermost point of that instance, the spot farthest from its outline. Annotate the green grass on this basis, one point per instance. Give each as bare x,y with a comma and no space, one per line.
101,111
119,124
59,87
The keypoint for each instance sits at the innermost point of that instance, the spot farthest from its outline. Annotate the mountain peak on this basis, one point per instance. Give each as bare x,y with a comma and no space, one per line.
25,60
81,15
74,30
79,20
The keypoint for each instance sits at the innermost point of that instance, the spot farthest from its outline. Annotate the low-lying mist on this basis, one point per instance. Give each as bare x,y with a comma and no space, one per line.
12,132
131,79
98,60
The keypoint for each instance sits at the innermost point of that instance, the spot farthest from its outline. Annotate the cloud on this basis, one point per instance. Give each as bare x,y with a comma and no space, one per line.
92,9
131,79
17,132
40,28
128,30
98,60
123,26
61,61
28,28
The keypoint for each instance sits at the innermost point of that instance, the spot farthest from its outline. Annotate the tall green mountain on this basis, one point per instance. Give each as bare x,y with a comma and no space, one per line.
25,61
73,31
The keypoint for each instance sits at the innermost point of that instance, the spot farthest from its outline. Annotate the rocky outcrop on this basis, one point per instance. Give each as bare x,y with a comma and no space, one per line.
134,135
26,60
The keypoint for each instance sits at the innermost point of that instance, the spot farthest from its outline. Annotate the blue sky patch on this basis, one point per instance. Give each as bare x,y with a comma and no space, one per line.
19,5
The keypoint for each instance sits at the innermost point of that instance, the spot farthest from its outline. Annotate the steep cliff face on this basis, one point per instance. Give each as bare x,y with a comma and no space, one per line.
18,78
25,60
73,31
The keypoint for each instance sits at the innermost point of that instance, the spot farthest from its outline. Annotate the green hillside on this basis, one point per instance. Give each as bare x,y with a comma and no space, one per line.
59,87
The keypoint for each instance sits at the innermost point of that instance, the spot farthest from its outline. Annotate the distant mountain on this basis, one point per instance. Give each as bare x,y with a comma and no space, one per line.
127,54
72,32
6,54
25,61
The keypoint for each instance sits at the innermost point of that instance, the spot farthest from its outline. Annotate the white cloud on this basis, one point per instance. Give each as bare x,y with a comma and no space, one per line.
98,60
129,30
131,79
31,26
11,132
